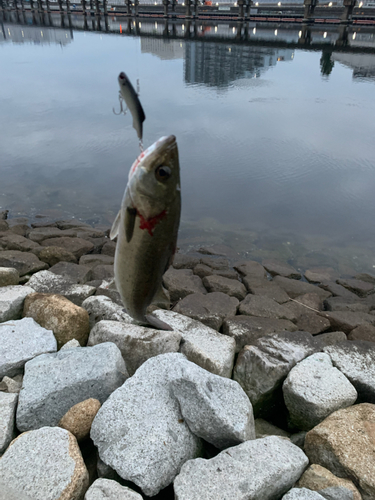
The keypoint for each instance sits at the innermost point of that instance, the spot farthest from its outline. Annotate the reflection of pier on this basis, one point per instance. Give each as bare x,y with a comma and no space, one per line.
328,38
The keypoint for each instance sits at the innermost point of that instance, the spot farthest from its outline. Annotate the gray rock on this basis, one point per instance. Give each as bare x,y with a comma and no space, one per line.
361,288
8,404
108,289
256,305
53,383
302,494
16,242
217,263
43,465
298,439
11,385
77,246
72,224
210,309
9,276
93,260
331,338
356,360
336,493
42,233
70,345
105,470
107,489
261,368
202,271
21,341
102,272
268,289
250,268
182,261
338,290
314,389
101,308
24,262
278,268
77,273
346,321
136,343
346,304
369,278
264,429
53,255
295,288
109,248
182,282
261,469
321,274
307,320
48,282
363,332
215,408
140,431
231,287
202,345
11,301
245,330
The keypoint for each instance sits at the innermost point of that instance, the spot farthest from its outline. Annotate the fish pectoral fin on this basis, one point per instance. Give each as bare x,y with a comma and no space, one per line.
130,215
115,226
157,323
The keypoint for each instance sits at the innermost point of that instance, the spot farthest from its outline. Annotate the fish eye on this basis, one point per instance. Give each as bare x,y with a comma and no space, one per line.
162,173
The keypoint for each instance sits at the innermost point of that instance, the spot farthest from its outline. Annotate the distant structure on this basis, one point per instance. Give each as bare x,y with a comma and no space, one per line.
34,34
163,49
363,65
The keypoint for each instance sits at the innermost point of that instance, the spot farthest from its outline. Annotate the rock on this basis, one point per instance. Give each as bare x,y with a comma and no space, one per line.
77,246
24,262
182,261
103,308
3,225
331,338
264,429
72,224
109,248
78,418
295,288
338,290
346,321
70,345
110,291
56,313
321,274
42,233
245,330
202,345
53,383
140,431
44,464
268,289
302,494
361,288
202,271
93,260
182,282
215,408
363,332
54,255
369,278
250,268
306,319
215,263
346,304
309,302
317,478
210,309
260,469
21,341
16,242
262,367
20,229
8,404
256,305
228,286
314,389
11,385
344,444
136,343
9,276
278,268
105,470
11,301
298,438
106,489
102,273
78,274
356,360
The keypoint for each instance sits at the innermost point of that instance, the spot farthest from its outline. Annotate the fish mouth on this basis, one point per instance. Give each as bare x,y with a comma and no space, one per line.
166,142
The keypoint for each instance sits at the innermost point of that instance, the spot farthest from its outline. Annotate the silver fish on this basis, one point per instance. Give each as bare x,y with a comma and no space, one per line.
146,227
133,103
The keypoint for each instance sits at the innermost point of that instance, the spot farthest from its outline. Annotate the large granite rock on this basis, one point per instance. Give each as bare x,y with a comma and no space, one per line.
346,304
107,489
101,308
136,343
9,276
53,255
231,287
182,282
321,274
344,443
268,289
76,246
264,307
16,242
314,389
56,313
24,262
245,330
140,431
11,301
363,332
361,288
295,288
346,321
250,269
210,309
53,383
261,469
21,341
262,367
182,261
278,268
93,260
356,360
77,273
202,345
317,478
302,494
43,465
8,404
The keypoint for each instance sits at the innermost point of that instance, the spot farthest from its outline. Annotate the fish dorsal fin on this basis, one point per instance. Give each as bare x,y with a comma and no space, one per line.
130,215
115,226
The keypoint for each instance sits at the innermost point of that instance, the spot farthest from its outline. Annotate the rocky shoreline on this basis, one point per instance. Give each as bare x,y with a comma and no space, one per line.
265,388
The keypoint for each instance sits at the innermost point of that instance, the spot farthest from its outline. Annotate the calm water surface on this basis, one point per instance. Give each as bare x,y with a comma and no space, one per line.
277,159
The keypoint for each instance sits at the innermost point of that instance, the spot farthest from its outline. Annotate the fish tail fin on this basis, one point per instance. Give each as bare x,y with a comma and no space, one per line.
157,323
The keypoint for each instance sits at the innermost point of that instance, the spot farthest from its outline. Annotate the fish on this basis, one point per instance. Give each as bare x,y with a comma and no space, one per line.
133,103
146,228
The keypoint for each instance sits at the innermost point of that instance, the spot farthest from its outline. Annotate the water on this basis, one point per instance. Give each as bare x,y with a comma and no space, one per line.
277,158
